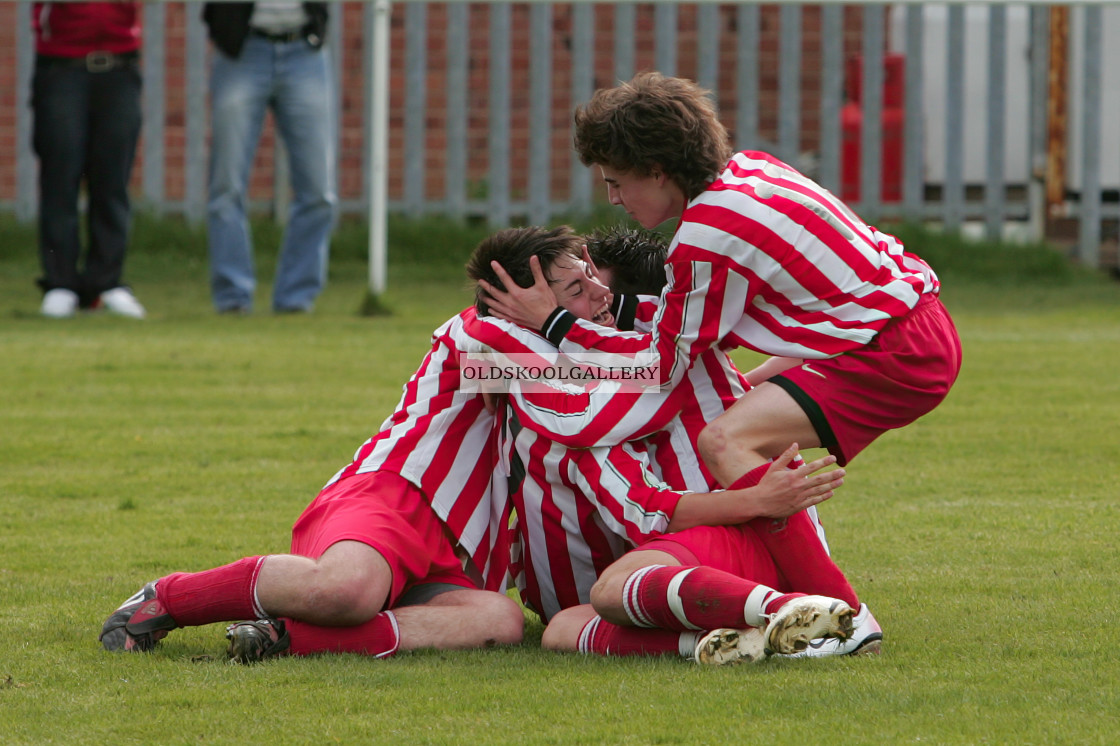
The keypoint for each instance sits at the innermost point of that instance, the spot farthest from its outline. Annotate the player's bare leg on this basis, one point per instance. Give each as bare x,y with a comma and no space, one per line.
562,632
756,429
650,589
347,585
580,629
453,620
461,619
607,595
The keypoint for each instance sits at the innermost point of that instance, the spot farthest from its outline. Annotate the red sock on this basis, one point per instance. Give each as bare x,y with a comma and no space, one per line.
751,478
802,558
379,637
776,602
602,637
224,594
798,551
681,598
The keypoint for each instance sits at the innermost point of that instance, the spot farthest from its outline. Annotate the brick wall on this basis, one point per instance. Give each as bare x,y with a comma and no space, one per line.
9,141
353,89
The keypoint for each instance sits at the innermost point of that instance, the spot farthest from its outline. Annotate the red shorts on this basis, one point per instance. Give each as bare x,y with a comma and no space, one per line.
902,374
733,549
390,514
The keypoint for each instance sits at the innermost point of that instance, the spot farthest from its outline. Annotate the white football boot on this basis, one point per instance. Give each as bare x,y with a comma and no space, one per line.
794,626
728,647
866,639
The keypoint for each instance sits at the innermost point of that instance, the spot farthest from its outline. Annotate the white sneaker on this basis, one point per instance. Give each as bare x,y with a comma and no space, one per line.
59,303
805,619
866,639
729,647
121,302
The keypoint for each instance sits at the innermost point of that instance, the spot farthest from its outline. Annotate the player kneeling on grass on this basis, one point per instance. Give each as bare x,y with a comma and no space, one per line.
708,592
761,258
372,569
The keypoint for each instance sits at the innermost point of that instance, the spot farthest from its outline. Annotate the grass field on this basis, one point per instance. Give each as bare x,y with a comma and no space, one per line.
984,536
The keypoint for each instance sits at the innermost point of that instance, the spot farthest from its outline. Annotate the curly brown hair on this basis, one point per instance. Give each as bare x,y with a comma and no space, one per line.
512,248
654,123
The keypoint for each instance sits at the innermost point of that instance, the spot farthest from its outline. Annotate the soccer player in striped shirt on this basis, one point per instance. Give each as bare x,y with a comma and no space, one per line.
762,258
579,509
372,568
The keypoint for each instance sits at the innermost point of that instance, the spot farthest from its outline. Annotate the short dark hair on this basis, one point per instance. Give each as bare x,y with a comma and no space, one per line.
512,248
636,258
655,123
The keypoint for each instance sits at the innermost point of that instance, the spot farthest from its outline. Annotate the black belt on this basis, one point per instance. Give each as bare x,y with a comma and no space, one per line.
94,62
283,38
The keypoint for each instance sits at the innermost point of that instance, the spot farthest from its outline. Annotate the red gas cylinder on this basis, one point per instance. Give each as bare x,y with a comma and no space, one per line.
851,128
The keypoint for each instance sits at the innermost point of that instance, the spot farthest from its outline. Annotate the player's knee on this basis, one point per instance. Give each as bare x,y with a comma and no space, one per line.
712,441
552,639
563,630
725,445
345,605
502,618
347,598
599,592
606,597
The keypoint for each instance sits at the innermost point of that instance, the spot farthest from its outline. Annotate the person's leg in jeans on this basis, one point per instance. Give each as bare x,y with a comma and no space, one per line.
239,93
305,109
114,131
60,102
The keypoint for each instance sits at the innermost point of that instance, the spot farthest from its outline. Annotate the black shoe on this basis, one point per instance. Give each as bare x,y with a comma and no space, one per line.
250,642
138,624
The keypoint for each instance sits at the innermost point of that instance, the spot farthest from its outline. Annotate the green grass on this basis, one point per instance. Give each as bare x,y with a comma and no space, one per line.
984,536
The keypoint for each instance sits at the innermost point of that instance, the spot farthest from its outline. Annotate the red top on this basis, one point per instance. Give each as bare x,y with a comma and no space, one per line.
76,29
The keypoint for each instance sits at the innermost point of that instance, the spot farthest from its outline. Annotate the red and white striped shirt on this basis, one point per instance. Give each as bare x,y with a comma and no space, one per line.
605,416
767,259
579,509
445,442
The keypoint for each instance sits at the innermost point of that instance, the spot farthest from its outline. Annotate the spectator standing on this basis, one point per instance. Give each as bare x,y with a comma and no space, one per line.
270,55
86,107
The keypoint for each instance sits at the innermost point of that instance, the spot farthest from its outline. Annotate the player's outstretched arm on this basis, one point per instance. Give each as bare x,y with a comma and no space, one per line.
577,417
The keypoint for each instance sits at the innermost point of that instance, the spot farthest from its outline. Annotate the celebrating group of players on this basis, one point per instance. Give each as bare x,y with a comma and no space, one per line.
679,519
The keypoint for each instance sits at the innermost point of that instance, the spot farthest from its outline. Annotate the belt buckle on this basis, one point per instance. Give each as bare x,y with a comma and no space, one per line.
99,62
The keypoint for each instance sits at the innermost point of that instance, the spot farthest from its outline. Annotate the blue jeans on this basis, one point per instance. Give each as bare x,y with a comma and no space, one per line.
295,80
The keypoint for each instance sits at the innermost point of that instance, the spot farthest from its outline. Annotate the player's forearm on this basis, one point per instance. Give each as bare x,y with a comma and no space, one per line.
593,420
780,493
724,508
769,500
